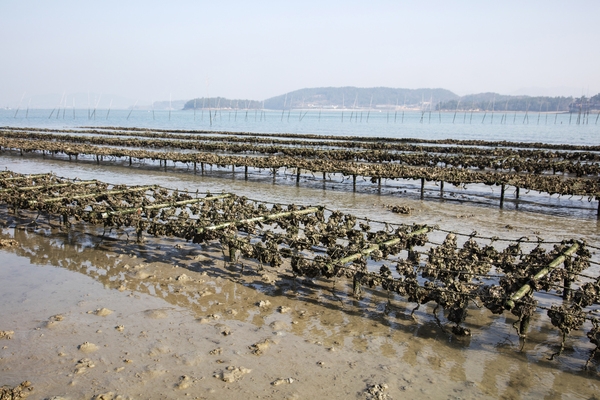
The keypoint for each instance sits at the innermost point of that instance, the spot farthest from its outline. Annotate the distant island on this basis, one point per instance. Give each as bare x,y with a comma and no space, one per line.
383,98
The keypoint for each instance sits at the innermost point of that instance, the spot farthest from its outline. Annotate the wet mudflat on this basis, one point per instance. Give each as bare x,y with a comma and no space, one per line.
167,318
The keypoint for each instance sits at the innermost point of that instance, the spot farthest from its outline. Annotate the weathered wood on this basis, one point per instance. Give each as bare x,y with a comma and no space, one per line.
502,190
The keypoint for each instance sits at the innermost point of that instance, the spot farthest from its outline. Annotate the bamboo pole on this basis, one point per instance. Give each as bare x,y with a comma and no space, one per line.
369,250
58,185
502,190
17,178
85,196
309,210
422,187
163,205
519,294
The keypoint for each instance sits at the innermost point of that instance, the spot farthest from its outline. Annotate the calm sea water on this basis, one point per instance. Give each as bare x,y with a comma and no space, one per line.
519,127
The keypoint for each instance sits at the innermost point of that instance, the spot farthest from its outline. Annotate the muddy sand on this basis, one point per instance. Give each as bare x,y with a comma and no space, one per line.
93,318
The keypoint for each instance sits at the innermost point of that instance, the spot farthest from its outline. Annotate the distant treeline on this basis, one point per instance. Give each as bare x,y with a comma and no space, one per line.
497,102
222,103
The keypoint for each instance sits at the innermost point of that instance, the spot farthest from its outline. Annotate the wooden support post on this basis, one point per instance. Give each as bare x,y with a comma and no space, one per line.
195,167
323,175
422,187
502,189
165,165
202,168
441,188
517,193
130,161
297,175
567,290
246,172
379,184
97,159
274,173
354,183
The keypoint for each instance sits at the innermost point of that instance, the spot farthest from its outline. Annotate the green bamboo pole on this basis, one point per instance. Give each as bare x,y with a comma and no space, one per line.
58,185
269,217
545,271
17,178
369,250
85,196
163,205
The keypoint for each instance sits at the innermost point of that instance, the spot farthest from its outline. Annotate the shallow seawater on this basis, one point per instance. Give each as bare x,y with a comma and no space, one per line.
187,316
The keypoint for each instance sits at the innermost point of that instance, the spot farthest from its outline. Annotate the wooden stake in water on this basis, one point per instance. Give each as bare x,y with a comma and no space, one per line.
455,111
210,112
430,104
526,117
128,115
283,108
20,101
109,106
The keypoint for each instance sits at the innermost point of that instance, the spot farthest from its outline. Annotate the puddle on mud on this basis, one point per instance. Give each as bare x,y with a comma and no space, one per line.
183,322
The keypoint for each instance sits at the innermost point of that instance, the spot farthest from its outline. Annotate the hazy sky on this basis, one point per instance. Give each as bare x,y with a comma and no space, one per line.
149,50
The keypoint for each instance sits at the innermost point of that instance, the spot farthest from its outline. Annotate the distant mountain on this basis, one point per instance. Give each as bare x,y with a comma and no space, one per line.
332,98
352,97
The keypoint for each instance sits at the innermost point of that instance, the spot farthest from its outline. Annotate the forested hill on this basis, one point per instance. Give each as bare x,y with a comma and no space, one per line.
353,97
332,98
